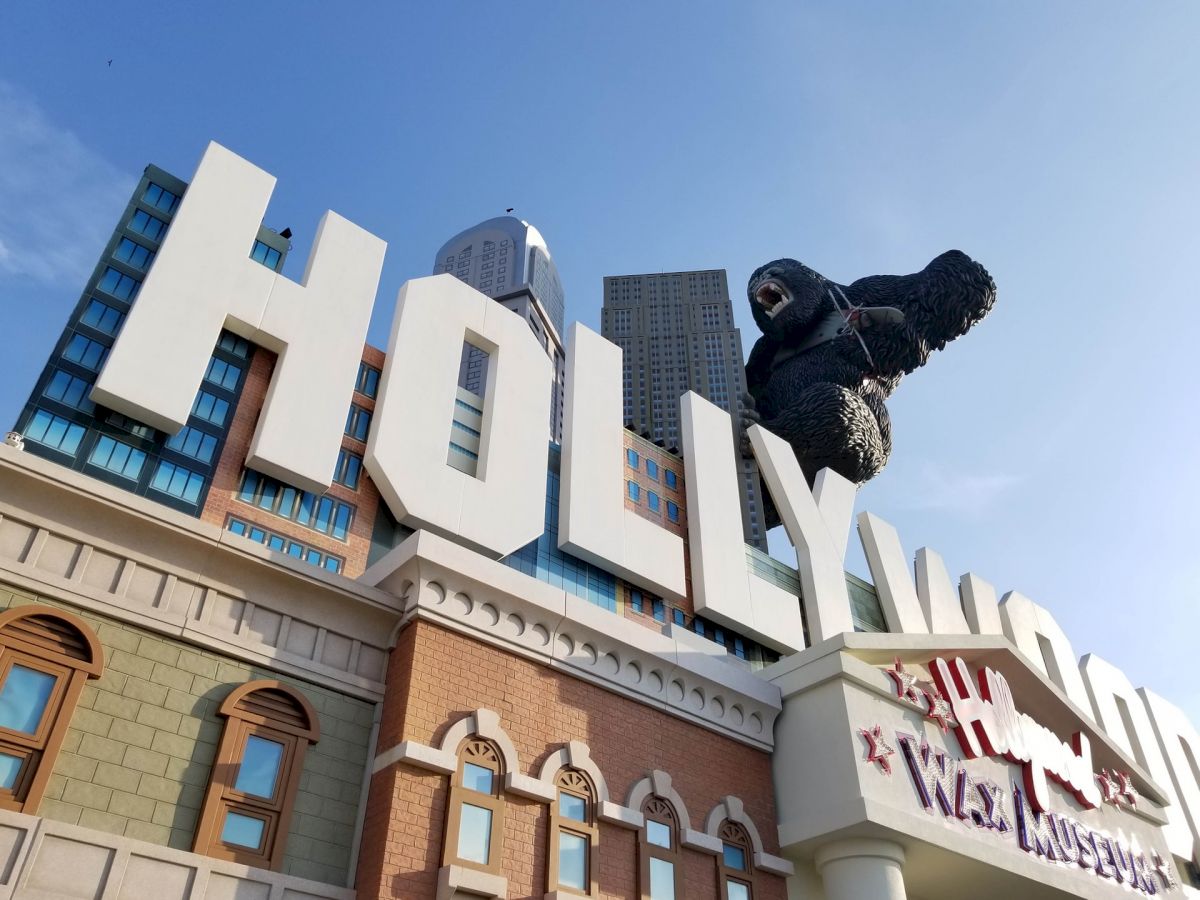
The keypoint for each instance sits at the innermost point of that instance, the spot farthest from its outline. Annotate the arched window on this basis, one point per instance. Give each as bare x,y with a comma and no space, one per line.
46,657
475,822
252,788
736,863
573,834
660,865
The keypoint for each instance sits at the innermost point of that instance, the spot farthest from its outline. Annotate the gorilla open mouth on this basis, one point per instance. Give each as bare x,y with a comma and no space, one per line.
772,296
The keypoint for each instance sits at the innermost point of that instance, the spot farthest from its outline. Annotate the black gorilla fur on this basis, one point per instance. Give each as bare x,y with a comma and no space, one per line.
826,400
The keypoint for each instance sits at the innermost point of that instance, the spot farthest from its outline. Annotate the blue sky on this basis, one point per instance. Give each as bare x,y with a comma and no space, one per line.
1052,450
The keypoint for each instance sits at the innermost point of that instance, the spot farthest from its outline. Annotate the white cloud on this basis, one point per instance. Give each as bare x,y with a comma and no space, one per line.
58,199
964,493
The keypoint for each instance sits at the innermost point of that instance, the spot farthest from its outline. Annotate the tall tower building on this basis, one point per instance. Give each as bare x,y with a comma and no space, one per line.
677,334
507,259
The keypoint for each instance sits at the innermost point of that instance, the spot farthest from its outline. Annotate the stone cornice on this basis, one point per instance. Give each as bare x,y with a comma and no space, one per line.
440,581
71,538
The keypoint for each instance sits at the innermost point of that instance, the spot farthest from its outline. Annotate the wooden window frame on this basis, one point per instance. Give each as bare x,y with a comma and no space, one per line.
26,645
222,797
659,809
732,833
484,753
574,783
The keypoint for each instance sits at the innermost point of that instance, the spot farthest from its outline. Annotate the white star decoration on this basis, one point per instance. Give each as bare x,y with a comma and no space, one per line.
1125,789
1117,788
1165,871
939,710
906,683
878,750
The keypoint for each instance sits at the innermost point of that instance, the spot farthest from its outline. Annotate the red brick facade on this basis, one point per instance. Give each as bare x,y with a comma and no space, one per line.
223,501
437,677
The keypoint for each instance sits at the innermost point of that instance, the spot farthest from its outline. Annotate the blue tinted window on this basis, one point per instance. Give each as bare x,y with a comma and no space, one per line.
349,467
634,490
678,617
475,833
659,611
635,601
670,478
572,860
66,388
102,317
54,431
194,443
259,767
275,542
296,550
368,380
118,458
23,698
10,768
672,511
144,223
358,422
652,501
242,831
233,344
237,527
210,408
178,482
133,254
118,284
268,256
652,469
572,807
477,778
735,857
160,198
341,522
631,459
333,564
85,352
222,374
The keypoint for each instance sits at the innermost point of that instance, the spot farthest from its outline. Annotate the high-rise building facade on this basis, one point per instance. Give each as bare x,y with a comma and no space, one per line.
508,260
677,334
192,707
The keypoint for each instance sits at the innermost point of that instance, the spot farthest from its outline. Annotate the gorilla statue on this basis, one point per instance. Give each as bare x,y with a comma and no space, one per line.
830,354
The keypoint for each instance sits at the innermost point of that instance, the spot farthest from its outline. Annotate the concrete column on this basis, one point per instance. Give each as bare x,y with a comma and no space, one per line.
862,867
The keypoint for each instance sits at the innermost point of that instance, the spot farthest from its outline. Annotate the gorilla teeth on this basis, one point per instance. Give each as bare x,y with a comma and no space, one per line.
772,297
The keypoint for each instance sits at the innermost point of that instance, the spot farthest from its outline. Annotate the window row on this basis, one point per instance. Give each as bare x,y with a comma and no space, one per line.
669,477
160,198
281,544
323,514
653,501
475,832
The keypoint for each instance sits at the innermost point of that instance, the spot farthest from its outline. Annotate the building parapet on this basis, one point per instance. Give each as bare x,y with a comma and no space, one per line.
45,858
78,540
442,582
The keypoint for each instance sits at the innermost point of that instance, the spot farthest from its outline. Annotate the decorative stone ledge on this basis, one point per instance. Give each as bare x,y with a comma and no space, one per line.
80,541
461,883
441,582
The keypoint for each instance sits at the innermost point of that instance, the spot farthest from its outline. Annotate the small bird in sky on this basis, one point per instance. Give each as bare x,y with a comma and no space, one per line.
110,62
510,209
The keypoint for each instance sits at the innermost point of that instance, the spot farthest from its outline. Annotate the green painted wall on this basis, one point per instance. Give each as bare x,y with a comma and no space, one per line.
137,757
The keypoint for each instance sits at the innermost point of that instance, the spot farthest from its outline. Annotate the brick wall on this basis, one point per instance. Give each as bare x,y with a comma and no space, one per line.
436,677
137,757
222,496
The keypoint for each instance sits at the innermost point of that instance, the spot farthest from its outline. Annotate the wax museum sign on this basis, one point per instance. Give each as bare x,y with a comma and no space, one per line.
982,714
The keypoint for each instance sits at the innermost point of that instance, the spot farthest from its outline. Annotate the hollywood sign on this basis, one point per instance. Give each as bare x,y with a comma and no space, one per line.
203,280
